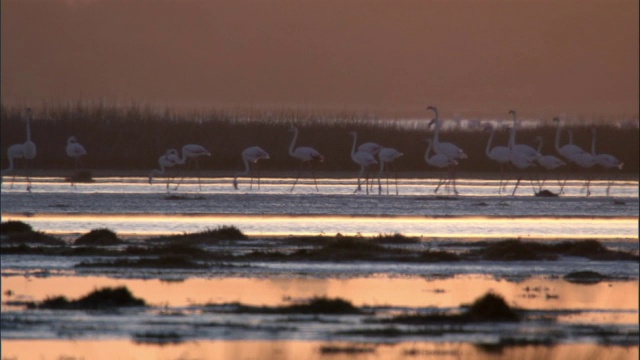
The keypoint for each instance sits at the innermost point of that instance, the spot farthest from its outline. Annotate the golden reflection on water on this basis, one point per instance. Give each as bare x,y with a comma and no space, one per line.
295,350
534,293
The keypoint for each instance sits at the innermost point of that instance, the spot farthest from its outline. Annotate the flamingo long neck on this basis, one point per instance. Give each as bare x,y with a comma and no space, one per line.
540,146
293,141
512,136
28,127
557,144
488,149
353,147
426,153
570,136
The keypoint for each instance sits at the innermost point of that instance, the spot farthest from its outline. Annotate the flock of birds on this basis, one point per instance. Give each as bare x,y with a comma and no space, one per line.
446,156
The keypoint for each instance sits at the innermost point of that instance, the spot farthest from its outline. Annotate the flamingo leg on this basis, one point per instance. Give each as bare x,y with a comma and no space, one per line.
516,187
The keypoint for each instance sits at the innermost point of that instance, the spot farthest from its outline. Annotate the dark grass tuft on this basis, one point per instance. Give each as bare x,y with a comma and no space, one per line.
15,227
315,306
585,277
105,298
512,250
209,236
17,232
347,349
489,308
99,237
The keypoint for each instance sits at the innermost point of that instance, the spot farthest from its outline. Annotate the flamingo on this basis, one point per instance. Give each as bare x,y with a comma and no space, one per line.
26,151
190,154
521,162
525,150
169,159
499,154
75,150
440,161
447,149
305,154
547,162
387,155
370,147
362,158
606,161
250,155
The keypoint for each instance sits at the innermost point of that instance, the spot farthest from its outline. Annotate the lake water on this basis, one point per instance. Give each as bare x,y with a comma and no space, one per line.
588,321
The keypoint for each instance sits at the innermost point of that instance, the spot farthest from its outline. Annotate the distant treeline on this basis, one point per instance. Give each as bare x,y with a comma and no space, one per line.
133,137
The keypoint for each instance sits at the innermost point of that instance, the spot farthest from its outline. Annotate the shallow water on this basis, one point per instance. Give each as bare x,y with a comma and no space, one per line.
133,207
597,320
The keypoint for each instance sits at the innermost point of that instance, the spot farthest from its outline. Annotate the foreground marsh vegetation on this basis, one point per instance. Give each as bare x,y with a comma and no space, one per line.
214,247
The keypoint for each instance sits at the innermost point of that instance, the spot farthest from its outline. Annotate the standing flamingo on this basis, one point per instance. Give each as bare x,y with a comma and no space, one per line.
569,152
521,162
585,161
250,155
525,150
190,154
606,161
305,154
547,162
75,150
447,149
169,159
370,147
499,154
440,161
362,158
387,156
26,151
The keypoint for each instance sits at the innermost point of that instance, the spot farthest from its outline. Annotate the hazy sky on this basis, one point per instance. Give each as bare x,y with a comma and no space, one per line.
469,57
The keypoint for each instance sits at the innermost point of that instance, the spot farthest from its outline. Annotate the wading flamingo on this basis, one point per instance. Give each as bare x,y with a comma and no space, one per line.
547,162
75,150
362,158
499,154
441,162
387,156
250,155
447,149
169,159
306,155
190,154
606,161
26,151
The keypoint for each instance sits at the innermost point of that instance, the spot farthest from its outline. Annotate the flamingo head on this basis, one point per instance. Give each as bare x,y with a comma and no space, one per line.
486,127
538,139
432,122
72,140
432,108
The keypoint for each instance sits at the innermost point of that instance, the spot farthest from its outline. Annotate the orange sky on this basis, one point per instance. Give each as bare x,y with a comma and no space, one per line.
469,57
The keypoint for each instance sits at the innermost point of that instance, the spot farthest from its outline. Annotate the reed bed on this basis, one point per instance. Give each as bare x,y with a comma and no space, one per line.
132,137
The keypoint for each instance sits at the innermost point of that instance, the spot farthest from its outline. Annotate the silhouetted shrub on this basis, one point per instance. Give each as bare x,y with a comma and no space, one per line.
99,237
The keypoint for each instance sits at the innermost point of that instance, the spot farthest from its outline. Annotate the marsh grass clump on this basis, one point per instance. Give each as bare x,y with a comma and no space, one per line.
315,306
209,236
105,298
489,308
585,277
437,256
99,237
15,227
18,232
396,238
513,250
